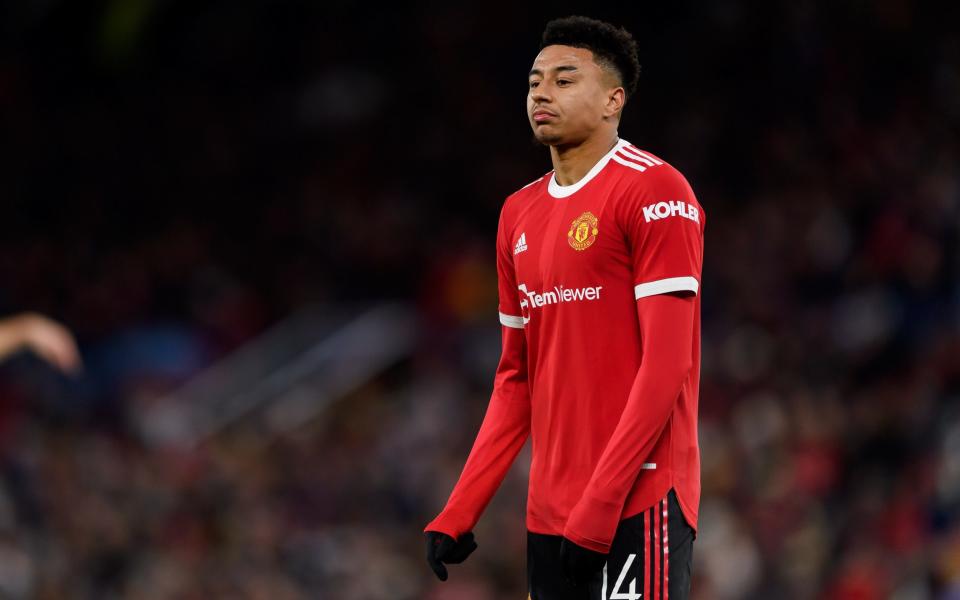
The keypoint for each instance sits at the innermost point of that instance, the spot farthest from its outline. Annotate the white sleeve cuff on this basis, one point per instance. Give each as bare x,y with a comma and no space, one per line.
511,321
665,286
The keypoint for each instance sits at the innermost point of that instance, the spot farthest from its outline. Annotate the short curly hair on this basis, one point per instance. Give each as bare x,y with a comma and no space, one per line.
613,47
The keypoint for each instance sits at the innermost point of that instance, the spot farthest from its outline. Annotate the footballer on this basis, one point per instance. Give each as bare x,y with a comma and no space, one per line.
599,266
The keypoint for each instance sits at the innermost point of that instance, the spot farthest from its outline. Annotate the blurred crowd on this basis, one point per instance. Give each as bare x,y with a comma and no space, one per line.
178,176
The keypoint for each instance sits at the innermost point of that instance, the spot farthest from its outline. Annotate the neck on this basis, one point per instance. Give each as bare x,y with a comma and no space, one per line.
571,163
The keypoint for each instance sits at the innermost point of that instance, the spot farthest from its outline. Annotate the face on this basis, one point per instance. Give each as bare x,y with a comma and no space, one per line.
570,96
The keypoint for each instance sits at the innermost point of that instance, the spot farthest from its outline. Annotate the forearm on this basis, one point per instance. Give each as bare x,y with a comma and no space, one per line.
667,328
12,335
505,428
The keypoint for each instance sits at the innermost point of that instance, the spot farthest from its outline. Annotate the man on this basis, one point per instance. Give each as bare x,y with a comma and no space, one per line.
599,265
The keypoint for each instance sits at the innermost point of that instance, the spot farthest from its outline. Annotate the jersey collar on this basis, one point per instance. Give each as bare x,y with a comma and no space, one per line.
562,191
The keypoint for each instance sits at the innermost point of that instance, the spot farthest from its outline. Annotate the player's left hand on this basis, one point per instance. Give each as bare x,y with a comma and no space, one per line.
579,564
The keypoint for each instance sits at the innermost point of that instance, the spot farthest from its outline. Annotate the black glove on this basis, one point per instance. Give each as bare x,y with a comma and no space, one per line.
441,548
579,564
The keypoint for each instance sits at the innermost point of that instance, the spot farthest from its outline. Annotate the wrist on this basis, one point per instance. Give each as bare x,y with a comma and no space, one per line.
449,523
592,523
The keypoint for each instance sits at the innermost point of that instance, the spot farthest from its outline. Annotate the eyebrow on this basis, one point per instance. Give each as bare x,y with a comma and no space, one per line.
557,69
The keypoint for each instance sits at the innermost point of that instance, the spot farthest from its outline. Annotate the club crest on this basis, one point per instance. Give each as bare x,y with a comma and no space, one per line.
583,231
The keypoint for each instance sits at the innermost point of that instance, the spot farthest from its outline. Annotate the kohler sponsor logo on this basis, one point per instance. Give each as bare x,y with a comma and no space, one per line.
662,210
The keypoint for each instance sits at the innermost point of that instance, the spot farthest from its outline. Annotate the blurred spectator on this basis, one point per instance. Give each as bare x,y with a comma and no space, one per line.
48,339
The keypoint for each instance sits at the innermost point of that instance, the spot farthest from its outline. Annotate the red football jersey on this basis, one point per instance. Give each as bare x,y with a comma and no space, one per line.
572,262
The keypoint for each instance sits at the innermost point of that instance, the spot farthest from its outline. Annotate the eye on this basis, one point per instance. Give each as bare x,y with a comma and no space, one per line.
563,82
534,84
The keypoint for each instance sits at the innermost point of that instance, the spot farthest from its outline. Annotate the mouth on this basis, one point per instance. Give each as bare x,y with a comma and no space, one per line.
542,116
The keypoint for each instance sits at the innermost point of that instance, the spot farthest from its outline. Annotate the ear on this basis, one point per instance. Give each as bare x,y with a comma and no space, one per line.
614,105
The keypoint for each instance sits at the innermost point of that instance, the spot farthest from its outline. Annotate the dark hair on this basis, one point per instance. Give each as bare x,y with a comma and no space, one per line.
613,47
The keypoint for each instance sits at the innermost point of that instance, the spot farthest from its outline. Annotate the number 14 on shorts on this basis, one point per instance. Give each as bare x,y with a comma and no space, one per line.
617,593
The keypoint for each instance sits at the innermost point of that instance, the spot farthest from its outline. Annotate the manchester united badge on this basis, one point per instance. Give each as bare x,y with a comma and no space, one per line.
583,231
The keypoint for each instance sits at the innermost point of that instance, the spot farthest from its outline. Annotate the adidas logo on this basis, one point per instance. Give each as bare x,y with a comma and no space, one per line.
521,244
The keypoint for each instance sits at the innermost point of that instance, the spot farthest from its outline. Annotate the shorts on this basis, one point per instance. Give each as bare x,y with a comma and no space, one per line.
651,558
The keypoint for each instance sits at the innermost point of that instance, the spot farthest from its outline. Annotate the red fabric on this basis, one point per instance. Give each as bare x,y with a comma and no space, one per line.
647,556
603,382
505,428
666,554
666,325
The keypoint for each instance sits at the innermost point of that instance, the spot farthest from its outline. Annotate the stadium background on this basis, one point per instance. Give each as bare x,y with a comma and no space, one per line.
179,178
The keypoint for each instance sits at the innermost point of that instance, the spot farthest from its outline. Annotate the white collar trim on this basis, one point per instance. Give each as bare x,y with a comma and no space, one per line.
562,191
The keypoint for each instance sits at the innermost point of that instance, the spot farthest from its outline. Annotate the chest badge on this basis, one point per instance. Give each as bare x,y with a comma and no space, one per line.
583,231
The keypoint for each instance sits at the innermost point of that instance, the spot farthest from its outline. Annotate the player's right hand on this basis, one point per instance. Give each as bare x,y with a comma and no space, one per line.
441,548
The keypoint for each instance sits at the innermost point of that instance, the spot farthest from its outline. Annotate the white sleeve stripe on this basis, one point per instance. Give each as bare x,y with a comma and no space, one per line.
636,150
636,154
511,321
665,286
628,163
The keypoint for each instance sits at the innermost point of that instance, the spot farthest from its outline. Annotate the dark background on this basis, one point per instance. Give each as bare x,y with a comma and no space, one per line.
177,177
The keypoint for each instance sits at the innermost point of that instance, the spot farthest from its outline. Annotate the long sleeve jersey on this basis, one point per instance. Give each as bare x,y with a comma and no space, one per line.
599,301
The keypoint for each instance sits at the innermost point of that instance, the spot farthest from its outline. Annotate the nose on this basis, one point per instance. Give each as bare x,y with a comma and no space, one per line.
541,93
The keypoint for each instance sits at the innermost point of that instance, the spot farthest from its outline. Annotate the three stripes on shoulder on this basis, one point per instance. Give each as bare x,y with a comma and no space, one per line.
633,157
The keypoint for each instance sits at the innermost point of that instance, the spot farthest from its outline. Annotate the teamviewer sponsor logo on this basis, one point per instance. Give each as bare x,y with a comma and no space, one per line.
558,295
662,210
